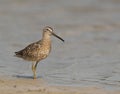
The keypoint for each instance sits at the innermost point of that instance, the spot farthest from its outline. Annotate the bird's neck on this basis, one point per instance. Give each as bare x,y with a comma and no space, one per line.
46,40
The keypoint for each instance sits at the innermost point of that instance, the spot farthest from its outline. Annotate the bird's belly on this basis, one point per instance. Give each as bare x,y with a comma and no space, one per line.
36,57
43,53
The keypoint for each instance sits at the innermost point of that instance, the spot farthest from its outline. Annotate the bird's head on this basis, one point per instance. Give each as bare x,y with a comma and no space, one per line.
48,31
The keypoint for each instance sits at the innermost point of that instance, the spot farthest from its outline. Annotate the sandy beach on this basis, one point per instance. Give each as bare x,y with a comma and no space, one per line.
38,86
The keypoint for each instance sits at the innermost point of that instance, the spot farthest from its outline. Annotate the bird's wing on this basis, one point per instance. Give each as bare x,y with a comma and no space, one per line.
30,50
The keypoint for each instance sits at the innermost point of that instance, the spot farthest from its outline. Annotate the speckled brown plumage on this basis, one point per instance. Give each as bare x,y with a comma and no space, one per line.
39,50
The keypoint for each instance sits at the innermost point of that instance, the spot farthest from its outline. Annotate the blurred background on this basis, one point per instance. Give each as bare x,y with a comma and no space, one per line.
90,55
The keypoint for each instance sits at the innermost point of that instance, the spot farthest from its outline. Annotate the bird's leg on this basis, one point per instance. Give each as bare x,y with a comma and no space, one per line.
34,65
34,70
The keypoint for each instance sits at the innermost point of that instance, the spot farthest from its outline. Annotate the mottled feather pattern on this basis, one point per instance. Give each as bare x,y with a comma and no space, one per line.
31,51
39,50
34,52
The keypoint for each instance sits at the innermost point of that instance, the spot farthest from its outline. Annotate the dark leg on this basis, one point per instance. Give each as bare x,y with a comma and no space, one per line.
36,64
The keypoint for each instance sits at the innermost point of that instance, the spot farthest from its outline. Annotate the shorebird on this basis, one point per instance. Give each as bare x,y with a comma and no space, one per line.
39,50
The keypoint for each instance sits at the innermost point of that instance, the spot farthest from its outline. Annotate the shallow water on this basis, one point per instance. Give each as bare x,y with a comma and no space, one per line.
90,55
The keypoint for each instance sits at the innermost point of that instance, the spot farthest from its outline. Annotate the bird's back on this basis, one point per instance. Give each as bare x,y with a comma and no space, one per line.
35,51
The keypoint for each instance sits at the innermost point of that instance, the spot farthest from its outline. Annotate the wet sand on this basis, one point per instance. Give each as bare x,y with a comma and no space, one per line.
38,86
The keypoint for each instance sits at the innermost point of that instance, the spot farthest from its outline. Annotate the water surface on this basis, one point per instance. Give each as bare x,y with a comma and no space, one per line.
90,55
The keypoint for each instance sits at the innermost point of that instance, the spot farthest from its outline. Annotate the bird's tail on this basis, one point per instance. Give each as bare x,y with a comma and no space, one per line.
18,54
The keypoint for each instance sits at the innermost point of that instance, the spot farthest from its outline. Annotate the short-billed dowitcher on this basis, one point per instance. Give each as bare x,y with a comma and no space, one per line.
39,50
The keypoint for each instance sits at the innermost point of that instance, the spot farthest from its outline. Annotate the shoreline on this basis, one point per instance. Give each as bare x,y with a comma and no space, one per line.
39,86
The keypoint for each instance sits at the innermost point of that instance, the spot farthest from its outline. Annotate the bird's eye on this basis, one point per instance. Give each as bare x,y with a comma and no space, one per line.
47,29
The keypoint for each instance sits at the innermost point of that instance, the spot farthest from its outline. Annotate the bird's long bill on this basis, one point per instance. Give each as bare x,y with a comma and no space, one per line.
57,36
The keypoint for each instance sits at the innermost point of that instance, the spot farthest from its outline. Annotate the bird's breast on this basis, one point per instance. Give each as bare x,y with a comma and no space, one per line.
44,51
